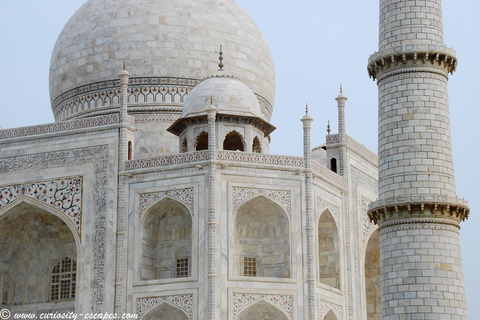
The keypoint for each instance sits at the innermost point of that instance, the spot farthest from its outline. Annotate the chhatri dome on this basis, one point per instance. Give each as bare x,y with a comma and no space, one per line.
230,96
168,46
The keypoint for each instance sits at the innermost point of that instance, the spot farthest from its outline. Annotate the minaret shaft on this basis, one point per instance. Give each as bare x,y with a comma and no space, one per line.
418,211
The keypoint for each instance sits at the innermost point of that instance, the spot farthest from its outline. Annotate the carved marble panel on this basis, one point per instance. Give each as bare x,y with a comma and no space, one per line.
242,300
184,302
65,195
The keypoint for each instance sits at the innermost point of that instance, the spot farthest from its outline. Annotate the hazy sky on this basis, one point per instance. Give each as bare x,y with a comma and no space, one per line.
316,45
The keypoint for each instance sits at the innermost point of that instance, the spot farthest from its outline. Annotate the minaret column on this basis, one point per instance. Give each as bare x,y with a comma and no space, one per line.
342,134
121,270
310,223
213,293
418,211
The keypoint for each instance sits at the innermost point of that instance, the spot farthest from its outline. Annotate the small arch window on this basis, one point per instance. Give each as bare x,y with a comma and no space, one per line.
333,165
256,147
63,280
130,150
202,141
233,141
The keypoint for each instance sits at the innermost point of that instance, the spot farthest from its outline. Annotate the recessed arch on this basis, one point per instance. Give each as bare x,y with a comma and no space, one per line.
11,208
261,310
166,235
161,200
328,250
166,311
201,141
330,316
261,239
34,237
233,141
373,292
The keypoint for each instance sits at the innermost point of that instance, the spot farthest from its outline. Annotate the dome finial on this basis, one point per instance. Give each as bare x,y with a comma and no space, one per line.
211,99
306,108
341,89
221,59
328,127
124,65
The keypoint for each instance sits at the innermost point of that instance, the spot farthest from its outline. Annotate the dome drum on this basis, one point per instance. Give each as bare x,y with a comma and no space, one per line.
152,95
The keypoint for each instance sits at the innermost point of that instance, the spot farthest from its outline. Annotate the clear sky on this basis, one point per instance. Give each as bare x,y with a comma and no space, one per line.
316,45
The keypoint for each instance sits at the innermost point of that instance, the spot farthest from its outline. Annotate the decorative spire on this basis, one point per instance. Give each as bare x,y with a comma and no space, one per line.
211,99
341,97
220,65
328,127
306,118
124,65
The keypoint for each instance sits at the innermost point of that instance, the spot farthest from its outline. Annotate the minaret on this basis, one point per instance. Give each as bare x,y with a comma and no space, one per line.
310,229
418,211
342,134
213,293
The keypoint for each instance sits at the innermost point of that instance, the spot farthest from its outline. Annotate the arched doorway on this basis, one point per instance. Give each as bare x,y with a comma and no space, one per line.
256,146
330,316
261,311
166,312
261,239
33,240
166,241
233,141
328,250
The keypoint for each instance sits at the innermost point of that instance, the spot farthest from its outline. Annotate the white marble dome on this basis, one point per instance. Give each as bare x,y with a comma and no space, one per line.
230,96
157,38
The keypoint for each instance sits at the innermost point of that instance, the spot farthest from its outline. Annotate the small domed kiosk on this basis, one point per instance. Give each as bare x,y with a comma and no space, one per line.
241,126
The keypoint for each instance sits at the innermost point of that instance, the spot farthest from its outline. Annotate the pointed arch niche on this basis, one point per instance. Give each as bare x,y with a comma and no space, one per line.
261,310
234,141
256,146
166,241
373,277
166,311
261,239
328,250
330,316
33,240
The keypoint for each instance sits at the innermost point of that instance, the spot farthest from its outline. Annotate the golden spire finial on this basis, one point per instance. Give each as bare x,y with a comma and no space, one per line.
306,108
220,65
211,99
124,65
341,89
328,127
